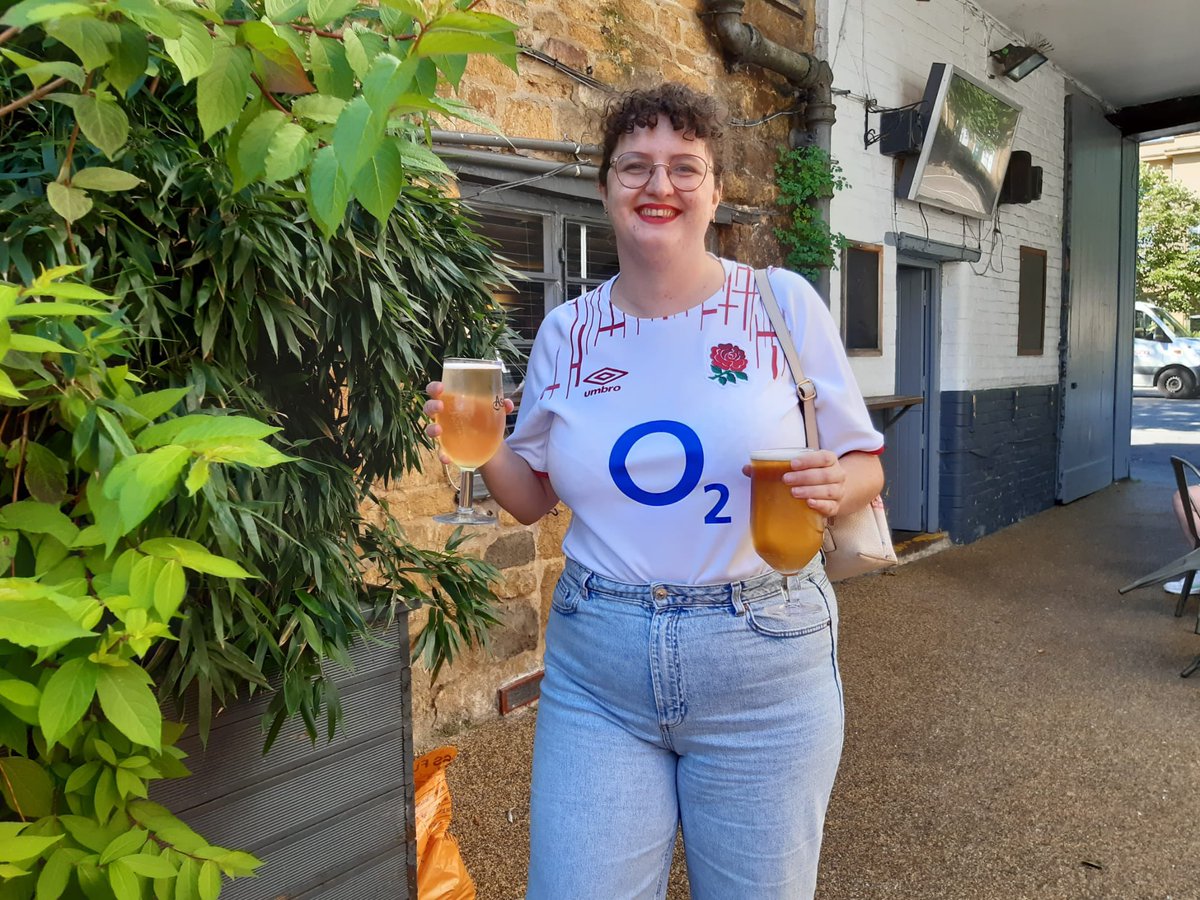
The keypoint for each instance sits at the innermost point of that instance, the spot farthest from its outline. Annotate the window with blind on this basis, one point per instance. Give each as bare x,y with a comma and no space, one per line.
1031,310
862,309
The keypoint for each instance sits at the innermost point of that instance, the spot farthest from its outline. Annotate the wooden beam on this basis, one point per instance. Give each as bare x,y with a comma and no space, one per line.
1162,118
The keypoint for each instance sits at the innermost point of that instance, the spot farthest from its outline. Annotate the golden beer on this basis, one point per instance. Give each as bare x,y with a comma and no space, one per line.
472,417
786,531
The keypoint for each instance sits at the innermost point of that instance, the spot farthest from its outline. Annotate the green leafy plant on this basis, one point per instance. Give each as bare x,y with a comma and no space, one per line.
304,292
804,175
97,469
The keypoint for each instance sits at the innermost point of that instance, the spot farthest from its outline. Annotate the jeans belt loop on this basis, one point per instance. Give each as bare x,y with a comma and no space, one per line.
735,597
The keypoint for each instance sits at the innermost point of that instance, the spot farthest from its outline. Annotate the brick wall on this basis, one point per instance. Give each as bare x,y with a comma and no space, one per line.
998,458
622,43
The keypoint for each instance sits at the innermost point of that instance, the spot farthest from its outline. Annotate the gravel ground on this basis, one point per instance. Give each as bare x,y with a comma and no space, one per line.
1015,727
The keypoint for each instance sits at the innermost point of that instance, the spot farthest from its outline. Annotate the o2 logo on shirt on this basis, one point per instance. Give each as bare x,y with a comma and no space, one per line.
693,469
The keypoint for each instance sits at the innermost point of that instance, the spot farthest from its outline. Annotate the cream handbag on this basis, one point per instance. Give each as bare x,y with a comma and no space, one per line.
858,542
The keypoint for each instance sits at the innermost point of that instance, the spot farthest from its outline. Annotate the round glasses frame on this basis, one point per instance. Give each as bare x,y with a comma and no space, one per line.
635,183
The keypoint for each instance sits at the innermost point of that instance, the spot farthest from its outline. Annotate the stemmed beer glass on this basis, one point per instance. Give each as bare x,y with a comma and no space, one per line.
787,532
472,420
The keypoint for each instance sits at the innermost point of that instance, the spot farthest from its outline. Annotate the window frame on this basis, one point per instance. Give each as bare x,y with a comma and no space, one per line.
877,250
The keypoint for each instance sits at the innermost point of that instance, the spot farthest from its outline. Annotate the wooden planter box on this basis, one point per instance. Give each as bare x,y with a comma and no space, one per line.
334,821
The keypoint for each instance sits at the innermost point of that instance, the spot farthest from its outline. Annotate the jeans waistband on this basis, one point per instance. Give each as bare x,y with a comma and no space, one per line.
666,594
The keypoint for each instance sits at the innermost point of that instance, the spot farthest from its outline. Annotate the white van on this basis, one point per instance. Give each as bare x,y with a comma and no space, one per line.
1162,357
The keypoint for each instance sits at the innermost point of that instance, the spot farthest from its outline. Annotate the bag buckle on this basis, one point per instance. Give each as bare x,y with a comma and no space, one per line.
806,390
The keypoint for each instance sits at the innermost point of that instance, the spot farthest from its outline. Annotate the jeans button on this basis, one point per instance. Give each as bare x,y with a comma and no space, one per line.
660,593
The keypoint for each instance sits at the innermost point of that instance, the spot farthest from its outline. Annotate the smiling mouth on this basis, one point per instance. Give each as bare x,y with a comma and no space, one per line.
657,212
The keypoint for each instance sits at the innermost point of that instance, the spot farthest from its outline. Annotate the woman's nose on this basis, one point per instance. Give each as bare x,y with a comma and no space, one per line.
660,180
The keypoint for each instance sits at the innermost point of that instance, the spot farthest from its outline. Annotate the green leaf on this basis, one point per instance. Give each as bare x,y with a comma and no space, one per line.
221,90
169,589
124,881
26,788
18,848
187,430
419,158
451,42
129,704
142,483
29,343
387,80
105,798
255,141
356,53
89,37
193,556
69,202
123,844
356,136
56,872
103,178
103,123
285,10
322,12
130,58
193,51
288,152
7,388
472,21
39,518
153,404
45,475
165,825
330,69
197,478
328,191
66,697
378,185
246,452
149,866
209,885
30,12
408,7
152,17
318,108
42,310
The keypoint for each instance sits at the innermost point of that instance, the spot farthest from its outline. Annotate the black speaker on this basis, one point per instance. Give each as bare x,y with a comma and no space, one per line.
1022,180
901,132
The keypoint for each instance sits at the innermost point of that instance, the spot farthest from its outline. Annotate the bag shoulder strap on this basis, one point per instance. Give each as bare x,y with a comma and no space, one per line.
806,391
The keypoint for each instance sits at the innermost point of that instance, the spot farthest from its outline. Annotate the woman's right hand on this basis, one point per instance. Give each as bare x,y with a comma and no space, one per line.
432,407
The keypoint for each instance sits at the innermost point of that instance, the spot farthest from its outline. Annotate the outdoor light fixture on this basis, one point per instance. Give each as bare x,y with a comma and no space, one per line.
1018,60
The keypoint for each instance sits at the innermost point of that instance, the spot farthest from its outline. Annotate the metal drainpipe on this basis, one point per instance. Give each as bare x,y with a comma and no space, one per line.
805,72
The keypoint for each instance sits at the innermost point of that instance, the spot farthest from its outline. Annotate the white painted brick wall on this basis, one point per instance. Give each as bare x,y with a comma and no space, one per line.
883,49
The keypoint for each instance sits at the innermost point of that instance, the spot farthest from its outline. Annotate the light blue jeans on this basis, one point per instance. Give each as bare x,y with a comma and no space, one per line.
717,708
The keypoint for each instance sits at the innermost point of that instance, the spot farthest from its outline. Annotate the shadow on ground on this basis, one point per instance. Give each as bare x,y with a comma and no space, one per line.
1015,727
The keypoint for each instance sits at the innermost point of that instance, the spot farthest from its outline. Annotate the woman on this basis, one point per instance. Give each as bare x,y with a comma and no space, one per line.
682,687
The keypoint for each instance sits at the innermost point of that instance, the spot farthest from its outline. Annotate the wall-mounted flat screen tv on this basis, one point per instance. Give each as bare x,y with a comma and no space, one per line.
969,135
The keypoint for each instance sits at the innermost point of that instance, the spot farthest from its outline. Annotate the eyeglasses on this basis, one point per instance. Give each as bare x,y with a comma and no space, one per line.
634,170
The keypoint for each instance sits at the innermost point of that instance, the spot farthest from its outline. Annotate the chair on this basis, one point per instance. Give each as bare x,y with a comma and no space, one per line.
1191,515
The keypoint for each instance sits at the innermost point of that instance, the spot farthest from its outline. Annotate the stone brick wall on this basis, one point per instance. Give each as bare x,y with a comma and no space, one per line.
621,43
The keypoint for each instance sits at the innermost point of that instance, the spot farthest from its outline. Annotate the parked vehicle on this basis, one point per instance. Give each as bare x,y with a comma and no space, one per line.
1162,357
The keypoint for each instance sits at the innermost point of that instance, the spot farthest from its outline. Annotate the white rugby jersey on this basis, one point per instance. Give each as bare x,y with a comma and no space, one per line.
643,425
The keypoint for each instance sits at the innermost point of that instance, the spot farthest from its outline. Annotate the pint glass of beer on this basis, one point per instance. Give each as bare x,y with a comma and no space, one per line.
787,532
472,420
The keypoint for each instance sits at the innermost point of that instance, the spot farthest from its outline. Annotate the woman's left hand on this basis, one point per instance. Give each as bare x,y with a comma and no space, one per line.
817,478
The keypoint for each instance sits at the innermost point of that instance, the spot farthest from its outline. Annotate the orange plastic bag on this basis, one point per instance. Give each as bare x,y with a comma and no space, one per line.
441,874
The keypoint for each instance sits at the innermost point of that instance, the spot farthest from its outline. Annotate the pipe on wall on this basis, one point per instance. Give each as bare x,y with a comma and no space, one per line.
808,73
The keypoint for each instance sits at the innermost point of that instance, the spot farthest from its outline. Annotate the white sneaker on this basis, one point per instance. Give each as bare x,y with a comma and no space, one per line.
1176,587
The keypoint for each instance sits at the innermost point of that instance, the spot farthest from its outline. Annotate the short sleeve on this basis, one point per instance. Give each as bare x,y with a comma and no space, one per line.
843,422
532,431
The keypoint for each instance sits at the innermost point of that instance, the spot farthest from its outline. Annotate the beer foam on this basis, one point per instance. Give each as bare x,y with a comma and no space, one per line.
781,454
472,364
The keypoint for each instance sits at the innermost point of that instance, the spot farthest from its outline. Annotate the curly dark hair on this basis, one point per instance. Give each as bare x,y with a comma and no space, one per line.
697,115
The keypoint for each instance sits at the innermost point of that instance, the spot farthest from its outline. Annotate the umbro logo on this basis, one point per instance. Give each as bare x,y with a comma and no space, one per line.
607,375
604,378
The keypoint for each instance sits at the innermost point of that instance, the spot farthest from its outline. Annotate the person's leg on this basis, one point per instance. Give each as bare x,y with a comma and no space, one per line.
1176,586
603,813
760,746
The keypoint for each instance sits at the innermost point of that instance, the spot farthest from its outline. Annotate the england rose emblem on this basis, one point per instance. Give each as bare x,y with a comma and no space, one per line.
728,364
